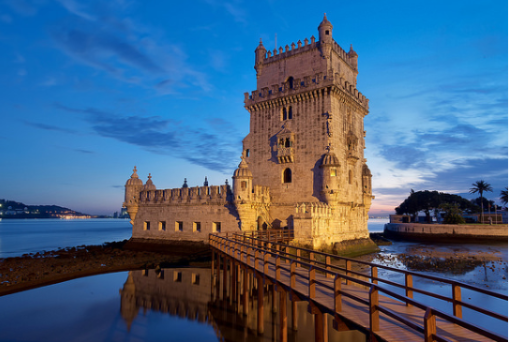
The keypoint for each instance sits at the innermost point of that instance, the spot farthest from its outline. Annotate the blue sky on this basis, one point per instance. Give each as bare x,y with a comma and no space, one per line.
92,88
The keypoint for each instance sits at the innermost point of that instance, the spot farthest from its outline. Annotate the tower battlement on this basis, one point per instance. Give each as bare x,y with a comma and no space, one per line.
307,84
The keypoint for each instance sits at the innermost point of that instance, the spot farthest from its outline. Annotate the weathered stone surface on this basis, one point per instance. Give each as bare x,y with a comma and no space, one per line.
302,165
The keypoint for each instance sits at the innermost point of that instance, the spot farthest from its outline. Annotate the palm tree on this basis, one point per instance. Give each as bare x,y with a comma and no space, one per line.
503,196
481,187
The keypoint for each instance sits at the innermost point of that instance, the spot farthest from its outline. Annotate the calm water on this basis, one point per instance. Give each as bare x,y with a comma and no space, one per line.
133,306
20,236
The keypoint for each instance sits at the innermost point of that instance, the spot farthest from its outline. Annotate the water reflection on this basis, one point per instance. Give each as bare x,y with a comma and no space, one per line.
232,310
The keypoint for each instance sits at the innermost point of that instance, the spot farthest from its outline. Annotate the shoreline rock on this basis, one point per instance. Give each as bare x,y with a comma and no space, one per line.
45,268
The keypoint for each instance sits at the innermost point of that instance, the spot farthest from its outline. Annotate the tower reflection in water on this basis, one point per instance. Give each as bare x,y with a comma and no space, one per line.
193,293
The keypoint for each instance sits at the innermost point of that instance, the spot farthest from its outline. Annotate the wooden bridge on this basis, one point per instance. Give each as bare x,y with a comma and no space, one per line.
355,298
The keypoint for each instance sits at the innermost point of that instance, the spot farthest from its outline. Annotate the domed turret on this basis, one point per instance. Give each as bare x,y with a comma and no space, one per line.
330,176
352,56
149,185
242,182
133,186
259,57
325,37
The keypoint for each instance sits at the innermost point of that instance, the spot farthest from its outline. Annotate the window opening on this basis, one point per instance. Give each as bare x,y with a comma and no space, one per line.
287,176
196,227
179,226
288,142
247,153
290,113
195,279
216,227
284,113
290,82
243,185
333,172
146,225
162,225
350,177
177,276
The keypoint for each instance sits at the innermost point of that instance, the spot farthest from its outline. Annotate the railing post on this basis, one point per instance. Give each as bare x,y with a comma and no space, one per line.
374,274
373,310
327,262
266,263
278,268
337,293
256,259
292,274
312,282
456,298
312,258
348,269
298,256
430,326
409,284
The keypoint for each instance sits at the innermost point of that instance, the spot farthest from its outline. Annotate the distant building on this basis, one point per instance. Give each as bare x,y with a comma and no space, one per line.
302,164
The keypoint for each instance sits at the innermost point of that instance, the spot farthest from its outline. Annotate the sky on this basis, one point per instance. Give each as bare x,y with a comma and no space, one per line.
92,88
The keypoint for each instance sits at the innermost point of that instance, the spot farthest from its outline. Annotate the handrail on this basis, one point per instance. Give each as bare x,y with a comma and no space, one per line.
405,272
266,246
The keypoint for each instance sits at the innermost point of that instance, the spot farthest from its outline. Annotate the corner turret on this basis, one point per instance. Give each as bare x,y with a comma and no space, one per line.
325,37
133,186
259,57
352,57
242,183
330,176
149,185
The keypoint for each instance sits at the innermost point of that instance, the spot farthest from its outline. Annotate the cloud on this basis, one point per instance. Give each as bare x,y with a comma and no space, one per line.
49,127
76,9
204,147
96,48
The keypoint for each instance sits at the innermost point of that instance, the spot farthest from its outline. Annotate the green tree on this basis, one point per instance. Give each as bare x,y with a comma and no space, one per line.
452,213
503,196
481,187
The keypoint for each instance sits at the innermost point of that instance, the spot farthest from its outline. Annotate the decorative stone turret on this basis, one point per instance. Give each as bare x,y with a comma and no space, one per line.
352,57
325,37
149,185
259,57
242,183
133,186
330,177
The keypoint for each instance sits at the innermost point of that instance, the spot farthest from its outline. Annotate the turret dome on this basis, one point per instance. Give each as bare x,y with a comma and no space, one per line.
325,22
134,180
243,170
330,159
149,185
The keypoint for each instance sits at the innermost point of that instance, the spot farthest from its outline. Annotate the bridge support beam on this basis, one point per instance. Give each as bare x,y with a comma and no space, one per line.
321,331
283,319
260,322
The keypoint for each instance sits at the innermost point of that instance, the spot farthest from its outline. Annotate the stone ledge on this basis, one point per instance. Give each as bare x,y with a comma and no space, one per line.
446,232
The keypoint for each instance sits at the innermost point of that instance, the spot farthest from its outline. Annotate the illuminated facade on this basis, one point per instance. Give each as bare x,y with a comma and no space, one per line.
302,164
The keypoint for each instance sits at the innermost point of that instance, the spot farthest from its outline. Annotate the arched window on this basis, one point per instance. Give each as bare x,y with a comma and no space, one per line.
284,113
290,114
333,172
243,185
287,176
287,142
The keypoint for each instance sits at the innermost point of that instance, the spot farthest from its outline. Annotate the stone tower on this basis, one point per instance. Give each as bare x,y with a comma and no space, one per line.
306,141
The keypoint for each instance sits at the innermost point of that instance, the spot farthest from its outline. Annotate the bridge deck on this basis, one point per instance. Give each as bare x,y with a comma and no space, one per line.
352,310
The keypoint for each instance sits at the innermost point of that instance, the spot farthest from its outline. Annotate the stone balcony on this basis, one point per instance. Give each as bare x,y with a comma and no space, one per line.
285,155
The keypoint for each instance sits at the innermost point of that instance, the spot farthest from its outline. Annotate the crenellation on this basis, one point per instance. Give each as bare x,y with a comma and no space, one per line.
306,144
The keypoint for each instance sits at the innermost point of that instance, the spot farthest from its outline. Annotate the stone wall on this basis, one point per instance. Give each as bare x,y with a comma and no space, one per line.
446,231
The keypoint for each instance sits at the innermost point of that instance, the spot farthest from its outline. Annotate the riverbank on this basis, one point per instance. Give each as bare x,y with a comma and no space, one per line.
40,269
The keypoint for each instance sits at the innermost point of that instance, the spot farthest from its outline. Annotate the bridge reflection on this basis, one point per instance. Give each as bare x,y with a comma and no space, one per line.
231,307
